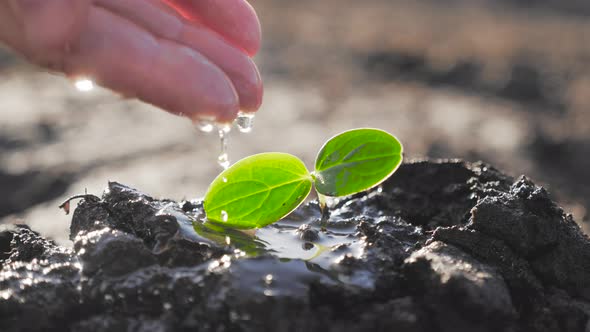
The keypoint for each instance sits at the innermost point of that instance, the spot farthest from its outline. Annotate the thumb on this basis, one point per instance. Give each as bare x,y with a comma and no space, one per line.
50,26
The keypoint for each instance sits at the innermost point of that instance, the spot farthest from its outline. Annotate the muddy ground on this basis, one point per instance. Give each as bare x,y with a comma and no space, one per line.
440,246
505,82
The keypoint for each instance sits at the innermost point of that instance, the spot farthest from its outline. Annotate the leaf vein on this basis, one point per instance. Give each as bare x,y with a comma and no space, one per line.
268,189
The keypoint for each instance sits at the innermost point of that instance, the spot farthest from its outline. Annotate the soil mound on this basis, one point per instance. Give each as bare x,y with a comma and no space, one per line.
440,246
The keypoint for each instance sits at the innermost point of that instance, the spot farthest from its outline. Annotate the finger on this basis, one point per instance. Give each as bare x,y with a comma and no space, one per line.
149,14
235,20
11,32
121,56
50,26
237,65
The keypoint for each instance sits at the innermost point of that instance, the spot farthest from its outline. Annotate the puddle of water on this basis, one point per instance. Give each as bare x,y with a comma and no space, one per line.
299,236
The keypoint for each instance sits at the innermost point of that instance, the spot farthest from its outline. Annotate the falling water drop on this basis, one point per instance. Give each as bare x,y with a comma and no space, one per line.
84,84
245,122
223,159
224,128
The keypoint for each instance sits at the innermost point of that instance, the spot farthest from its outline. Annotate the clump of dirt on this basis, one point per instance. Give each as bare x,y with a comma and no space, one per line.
441,246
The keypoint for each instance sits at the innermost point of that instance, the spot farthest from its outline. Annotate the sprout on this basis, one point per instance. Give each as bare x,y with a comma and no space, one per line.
261,189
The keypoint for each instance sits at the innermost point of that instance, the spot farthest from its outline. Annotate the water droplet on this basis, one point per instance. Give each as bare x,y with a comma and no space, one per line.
223,159
224,216
224,128
227,239
84,85
268,279
205,126
245,122
224,179
167,306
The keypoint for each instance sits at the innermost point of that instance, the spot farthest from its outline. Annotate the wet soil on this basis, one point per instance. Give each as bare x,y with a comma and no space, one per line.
440,246
476,80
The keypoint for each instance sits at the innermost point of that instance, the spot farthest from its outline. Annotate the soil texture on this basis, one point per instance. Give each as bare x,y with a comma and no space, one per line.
440,246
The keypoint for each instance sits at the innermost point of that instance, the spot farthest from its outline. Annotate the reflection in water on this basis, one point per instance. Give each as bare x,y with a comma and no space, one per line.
251,245
290,239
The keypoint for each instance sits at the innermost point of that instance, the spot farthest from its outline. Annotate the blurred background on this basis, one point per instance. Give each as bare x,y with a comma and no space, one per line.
506,82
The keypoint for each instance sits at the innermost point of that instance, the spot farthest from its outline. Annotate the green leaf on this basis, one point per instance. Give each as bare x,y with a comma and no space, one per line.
257,190
356,160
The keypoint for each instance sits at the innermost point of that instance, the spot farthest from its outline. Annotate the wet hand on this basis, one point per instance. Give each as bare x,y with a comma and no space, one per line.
189,57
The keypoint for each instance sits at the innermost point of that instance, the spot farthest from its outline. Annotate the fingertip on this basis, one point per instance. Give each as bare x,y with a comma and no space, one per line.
237,65
203,88
251,90
217,110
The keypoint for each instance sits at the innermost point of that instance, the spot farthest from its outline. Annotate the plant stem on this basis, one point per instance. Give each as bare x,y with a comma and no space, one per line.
324,209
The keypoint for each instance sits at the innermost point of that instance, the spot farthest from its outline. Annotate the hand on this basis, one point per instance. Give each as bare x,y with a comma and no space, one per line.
189,57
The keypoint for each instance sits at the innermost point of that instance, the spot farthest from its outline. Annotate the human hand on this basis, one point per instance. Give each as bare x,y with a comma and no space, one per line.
189,57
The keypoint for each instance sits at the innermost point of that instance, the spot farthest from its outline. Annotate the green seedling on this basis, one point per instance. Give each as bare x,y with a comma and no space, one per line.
261,189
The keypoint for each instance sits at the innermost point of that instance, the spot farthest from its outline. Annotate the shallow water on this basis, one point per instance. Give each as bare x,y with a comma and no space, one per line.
301,235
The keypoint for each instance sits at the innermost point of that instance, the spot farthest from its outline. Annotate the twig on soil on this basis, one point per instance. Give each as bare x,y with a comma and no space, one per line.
66,204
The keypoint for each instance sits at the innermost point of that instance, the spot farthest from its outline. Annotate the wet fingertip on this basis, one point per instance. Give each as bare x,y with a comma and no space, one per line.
220,112
225,106
251,104
227,115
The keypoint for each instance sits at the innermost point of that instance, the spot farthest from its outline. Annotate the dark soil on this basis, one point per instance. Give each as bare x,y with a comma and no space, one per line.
441,246
23,190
